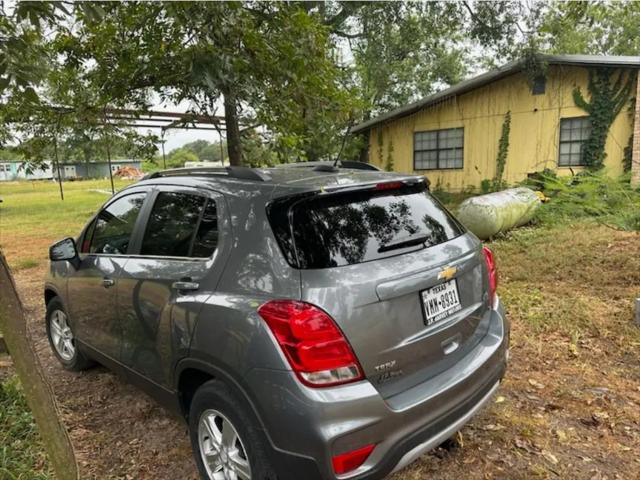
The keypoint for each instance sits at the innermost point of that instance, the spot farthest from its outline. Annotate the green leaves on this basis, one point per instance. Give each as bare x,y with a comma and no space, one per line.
609,90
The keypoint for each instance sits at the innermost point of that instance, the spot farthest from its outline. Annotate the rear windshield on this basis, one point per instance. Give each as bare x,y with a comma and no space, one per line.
323,231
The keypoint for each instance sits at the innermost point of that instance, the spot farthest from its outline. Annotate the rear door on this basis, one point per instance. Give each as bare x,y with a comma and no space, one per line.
175,256
398,274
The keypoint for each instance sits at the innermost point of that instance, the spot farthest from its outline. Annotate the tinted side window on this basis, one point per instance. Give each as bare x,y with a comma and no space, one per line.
181,225
114,225
206,240
86,239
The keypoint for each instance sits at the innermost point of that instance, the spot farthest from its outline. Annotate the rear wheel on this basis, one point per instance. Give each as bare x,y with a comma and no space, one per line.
62,340
227,443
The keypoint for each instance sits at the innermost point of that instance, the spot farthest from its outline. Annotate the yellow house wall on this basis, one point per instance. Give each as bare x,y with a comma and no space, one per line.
534,137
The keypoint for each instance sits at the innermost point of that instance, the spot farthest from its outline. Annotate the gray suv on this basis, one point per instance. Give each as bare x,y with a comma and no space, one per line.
308,322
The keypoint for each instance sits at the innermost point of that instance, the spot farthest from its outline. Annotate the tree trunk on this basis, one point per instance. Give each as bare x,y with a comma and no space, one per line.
234,148
36,388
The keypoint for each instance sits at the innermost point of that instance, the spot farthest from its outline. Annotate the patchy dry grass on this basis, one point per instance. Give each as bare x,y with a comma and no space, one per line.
569,406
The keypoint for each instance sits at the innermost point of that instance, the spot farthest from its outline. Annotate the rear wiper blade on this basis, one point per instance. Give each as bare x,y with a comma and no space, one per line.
404,242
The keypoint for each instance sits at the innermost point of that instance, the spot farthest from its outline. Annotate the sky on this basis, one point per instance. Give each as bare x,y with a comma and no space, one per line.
177,138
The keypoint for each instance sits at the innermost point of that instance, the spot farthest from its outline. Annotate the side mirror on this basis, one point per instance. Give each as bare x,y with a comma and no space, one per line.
64,250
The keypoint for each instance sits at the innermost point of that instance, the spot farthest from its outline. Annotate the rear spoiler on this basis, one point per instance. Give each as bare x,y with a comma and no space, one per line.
379,185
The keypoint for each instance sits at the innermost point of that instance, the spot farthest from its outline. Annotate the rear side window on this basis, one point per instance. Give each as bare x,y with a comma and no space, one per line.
113,226
349,228
181,225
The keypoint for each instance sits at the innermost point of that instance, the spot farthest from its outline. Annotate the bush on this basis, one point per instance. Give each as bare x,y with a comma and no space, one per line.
595,195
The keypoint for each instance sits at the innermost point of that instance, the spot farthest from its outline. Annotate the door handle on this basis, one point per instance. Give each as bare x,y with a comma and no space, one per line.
185,285
108,282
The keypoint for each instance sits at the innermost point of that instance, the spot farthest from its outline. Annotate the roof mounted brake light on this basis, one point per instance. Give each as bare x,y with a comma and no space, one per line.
389,185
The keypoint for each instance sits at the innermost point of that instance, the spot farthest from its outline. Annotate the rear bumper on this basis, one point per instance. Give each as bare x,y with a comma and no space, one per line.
308,427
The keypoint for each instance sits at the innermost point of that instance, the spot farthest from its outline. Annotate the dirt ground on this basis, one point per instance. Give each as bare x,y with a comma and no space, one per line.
568,408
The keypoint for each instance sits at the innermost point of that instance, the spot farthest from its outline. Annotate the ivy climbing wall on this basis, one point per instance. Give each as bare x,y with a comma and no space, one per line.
534,130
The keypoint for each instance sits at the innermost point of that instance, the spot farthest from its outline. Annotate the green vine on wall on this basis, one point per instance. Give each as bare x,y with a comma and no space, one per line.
628,150
380,145
608,94
534,66
503,150
390,163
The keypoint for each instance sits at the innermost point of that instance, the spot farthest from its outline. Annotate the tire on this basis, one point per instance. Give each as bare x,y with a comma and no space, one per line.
215,402
62,340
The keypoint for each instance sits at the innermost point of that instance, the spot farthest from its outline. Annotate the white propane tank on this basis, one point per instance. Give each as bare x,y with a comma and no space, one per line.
487,215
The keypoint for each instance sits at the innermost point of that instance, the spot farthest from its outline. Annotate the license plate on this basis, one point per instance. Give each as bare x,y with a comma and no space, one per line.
440,301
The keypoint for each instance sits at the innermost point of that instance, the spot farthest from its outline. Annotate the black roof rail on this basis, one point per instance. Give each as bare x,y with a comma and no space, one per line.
242,173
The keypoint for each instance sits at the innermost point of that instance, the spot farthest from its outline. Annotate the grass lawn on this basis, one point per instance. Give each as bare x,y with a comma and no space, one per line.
569,406
21,452
32,216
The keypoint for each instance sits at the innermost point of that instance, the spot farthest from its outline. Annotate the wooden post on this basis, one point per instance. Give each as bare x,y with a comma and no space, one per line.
3,346
34,383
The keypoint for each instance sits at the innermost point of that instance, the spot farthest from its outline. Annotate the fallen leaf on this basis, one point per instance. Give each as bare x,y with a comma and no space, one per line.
536,384
562,436
550,456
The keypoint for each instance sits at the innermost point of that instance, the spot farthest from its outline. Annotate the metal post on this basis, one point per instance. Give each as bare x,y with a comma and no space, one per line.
55,156
113,190
164,158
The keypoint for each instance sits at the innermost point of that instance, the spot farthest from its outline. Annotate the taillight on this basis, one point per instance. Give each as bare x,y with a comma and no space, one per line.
313,344
389,185
349,461
493,273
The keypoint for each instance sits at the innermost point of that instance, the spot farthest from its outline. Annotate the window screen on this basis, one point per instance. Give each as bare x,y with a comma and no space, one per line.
181,225
574,132
438,149
114,225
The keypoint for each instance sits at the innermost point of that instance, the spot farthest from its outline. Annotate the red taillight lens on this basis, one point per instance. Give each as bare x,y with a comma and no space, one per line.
492,271
389,185
315,347
349,461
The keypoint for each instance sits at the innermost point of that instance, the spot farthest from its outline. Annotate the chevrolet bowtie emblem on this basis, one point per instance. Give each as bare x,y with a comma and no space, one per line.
447,273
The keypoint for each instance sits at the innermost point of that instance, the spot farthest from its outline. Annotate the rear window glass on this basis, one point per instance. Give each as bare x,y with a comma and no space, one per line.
345,229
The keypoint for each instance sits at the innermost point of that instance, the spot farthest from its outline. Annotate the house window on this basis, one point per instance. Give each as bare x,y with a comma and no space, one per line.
438,149
574,132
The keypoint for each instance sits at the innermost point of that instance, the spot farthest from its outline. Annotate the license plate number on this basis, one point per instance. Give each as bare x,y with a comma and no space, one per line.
440,301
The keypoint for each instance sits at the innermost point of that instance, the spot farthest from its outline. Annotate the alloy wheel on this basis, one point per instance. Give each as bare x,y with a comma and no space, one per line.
61,335
221,448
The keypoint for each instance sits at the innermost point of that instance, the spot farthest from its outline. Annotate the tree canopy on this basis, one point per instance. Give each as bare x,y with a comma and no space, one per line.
289,78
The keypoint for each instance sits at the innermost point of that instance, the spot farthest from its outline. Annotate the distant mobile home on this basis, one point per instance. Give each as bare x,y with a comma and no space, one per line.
15,170
453,136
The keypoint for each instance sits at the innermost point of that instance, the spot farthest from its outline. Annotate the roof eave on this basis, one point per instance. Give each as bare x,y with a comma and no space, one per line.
493,75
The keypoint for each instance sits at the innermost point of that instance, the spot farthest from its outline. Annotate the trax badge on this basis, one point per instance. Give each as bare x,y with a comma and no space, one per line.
447,273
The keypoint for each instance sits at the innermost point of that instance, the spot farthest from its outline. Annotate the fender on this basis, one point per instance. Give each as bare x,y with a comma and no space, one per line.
218,372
